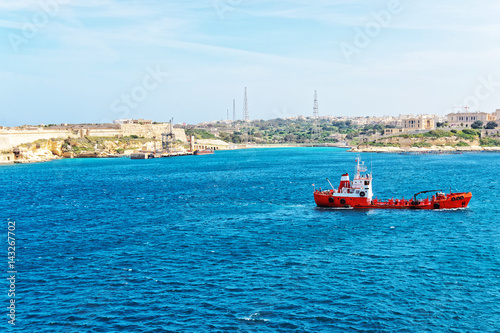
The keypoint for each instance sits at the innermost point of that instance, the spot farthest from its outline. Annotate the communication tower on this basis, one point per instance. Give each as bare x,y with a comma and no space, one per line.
316,107
246,114
315,131
234,109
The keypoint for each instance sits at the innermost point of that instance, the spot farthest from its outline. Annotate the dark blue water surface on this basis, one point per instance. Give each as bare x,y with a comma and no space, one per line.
233,242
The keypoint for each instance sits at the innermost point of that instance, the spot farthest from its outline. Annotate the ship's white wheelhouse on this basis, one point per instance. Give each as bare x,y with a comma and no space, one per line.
362,182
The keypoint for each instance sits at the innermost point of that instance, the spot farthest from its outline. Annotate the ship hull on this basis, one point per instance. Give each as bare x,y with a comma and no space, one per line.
335,200
203,152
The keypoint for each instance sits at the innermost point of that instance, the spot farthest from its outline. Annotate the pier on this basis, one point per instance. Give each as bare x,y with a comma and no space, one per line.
145,155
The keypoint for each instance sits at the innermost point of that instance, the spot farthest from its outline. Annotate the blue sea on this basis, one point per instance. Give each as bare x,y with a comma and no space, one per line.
233,242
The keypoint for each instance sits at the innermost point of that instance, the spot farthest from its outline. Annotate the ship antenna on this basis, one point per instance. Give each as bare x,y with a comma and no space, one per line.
357,166
371,165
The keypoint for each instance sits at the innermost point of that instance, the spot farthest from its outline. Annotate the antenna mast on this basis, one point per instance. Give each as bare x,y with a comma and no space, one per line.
246,115
234,109
316,107
315,116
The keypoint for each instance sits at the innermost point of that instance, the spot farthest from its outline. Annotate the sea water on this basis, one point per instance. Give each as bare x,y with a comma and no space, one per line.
234,242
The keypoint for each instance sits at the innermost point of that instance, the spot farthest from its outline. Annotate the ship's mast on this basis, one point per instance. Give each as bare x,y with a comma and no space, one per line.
360,167
363,180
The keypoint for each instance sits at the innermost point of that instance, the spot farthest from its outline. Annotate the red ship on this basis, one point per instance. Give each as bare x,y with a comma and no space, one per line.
358,194
203,152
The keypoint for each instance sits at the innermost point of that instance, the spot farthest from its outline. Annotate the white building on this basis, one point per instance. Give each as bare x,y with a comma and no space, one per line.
420,122
465,119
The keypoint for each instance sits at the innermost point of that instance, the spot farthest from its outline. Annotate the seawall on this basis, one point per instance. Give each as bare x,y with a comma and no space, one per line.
10,138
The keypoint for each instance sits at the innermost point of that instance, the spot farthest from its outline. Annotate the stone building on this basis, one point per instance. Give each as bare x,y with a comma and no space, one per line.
133,121
7,158
394,131
211,144
465,119
420,122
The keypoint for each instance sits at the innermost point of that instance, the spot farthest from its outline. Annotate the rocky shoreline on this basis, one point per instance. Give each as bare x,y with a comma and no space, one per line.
445,149
52,150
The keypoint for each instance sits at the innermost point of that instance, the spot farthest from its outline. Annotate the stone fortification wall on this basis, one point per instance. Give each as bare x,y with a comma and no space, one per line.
152,130
11,139
103,132
5,142
180,134
145,131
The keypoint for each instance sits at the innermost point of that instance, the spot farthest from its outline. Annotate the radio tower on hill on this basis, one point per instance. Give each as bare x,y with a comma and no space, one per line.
234,109
246,115
315,108
315,130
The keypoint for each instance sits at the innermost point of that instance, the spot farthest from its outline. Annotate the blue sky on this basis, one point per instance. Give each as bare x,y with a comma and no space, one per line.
81,59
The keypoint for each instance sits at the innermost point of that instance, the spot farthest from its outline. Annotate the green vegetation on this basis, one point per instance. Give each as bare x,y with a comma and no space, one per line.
438,133
469,134
36,143
129,139
381,144
491,125
320,131
200,134
465,136
478,124
235,138
354,142
422,144
490,142
295,131
91,143
78,150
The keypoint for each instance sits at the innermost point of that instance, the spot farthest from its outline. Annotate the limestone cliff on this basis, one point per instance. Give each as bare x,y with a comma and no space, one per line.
465,140
40,151
409,142
47,150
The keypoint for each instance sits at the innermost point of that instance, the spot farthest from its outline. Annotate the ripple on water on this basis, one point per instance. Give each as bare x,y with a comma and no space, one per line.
216,244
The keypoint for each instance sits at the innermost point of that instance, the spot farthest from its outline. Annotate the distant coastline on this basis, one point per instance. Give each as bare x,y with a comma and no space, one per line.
29,144
43,153
444,150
